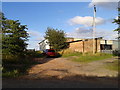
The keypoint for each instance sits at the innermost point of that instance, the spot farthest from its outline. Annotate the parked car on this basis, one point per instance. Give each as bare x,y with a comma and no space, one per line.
50,52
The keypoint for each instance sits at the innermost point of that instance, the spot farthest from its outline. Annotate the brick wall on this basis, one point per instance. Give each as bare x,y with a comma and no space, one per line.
85,46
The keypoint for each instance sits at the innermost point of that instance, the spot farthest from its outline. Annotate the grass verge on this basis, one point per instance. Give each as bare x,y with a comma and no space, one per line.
87,57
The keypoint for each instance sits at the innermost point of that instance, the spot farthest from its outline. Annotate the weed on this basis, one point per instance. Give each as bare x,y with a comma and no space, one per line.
86,57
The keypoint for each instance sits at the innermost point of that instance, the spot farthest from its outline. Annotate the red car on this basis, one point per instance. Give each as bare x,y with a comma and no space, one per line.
50,52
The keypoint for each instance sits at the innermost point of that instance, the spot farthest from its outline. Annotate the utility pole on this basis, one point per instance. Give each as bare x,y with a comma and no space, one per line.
83,46
94,29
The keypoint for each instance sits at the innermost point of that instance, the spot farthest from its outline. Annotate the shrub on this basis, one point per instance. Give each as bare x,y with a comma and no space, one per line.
15,65
116,52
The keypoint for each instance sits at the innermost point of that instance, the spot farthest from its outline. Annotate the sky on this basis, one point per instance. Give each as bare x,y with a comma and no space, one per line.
75,18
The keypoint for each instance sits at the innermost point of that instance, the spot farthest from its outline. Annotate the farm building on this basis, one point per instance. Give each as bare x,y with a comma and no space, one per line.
86,45
44,45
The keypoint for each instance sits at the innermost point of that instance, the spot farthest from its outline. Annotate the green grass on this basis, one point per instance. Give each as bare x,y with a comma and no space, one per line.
87,57
13,73
90,58
112,66
72,54
15,66
15,70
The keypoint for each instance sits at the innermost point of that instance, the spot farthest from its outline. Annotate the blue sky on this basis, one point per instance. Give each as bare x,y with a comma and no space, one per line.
74,18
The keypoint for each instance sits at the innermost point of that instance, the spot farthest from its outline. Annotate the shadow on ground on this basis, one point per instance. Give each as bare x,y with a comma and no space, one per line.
67,82
46,59
16,69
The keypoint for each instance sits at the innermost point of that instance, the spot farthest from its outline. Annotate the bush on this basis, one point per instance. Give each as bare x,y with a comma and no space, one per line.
15,65
11,59
116,52
33,54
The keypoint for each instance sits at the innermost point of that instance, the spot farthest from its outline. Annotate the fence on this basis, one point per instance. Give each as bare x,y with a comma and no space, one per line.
107,51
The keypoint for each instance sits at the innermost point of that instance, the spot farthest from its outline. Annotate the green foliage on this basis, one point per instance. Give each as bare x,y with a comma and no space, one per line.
116,52
56,38
86,57
89,58
14,36
33,54
117,21
16,66
13,73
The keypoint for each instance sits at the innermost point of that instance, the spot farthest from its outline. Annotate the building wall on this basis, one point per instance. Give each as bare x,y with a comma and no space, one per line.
44,45
85,46
108,42
69,39
116,45
76,46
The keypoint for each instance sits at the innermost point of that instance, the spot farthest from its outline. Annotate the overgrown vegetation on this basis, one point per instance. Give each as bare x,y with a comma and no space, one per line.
16,59
15,66
86,57
116,52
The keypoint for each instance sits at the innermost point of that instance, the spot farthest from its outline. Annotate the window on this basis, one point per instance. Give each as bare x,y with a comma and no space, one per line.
105,47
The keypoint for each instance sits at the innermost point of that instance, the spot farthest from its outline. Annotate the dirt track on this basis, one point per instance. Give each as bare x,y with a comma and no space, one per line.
63,73
62,67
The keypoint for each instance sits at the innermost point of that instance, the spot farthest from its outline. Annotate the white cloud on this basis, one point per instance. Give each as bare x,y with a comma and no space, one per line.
35,38
87,33
33,45
39,38
86,21
107,4
106,34
83,30
34,33
116,17
80,32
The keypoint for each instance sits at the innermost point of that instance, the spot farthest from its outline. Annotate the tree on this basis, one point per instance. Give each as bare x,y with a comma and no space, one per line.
117,21
56,38
14,36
